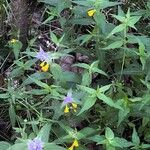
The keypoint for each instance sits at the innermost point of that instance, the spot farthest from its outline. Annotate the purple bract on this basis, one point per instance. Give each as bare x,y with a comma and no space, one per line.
35,144
41,55
68,98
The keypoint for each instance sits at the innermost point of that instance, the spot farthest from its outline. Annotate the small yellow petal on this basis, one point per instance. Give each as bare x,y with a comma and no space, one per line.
13,41
42,64
71,147
91,12
74,110
74,105
45,68
66,110
76,143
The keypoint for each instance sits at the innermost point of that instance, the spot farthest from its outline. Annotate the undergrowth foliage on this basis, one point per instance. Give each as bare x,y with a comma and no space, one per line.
82,82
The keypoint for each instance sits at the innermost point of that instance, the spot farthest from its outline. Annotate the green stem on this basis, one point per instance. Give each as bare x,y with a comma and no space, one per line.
124,53
99,51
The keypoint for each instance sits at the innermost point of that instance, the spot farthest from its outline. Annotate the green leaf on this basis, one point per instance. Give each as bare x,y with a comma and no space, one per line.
83,3
114,45
54,38
38,92
56,72
45,132
133,20
86,78
109,134
148,4
120,18
18,146
106,3
98,71
12,115
144,146
29,63
120,142
50,2
143,55
110,147
105,88
87,89
4,96
108,101
87,131
82,65
48,20
39,83
16,47
82,21
122,114
135,137
52,146
117,29
84,38
38,76
17,72
98,139
69,76
89,102
4,145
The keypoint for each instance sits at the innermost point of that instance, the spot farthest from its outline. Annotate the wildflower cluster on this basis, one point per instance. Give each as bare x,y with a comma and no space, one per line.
69,103
43,57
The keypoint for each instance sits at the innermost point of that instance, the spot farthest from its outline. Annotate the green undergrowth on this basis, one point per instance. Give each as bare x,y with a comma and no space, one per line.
101,100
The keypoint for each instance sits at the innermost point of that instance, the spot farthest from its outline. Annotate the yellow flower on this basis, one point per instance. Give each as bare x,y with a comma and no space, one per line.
74,105
66,110
74,144
13,41
44,66
91,12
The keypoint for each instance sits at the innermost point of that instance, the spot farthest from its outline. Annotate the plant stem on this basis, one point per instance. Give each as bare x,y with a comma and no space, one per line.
124,53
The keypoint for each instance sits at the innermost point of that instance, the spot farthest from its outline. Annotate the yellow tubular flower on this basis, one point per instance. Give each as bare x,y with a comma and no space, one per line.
91,12
13,41
74,144
71,147
74,105
66,110
44,66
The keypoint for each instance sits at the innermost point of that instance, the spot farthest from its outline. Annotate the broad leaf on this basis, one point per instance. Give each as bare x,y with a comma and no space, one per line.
89,102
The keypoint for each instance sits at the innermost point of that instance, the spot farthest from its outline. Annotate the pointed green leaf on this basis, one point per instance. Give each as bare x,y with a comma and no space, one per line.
4,145
87,89
120,142
86,78
114,45
39,83
117,29
45,132
109,134
12,115
135,137
82,65
89,102
54,38
18,146
52,146
108,101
